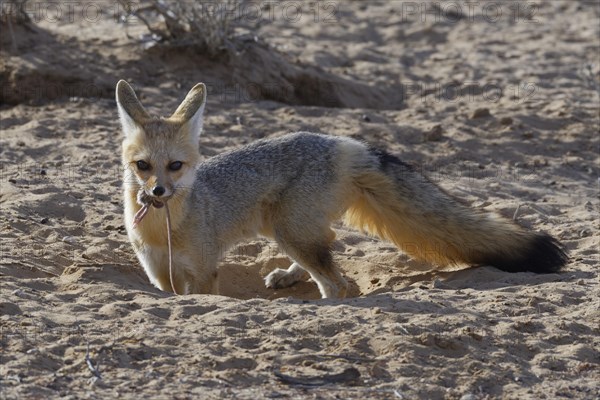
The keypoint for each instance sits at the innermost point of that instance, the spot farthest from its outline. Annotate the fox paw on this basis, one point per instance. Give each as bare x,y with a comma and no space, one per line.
282,278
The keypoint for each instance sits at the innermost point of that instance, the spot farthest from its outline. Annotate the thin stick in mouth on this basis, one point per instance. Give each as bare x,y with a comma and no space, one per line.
170,249
137,218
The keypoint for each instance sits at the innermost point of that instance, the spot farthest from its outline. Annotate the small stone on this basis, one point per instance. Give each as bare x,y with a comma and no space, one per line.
527,135
13,181
69,239
506,121
468,396
434,134
365,118
282,315
44,221
438,284
481,113
374,280
584,233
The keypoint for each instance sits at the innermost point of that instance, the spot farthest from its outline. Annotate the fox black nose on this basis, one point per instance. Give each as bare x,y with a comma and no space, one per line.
158,191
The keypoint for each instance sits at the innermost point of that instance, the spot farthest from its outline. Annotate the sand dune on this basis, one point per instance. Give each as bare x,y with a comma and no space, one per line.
500,110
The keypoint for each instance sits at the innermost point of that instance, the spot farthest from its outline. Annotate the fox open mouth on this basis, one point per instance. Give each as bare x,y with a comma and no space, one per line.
144,199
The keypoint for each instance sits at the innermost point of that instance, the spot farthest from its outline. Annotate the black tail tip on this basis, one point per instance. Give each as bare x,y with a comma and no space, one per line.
542,255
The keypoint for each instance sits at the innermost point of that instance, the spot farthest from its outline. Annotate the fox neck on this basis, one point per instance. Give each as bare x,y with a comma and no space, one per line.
152,229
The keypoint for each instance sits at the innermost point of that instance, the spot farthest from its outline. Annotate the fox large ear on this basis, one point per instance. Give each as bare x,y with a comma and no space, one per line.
131,112
190,111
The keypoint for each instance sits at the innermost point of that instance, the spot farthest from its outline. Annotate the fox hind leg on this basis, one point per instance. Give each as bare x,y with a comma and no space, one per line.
315,257
282,278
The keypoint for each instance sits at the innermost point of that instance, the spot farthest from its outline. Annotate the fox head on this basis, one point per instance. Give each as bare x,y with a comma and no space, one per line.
160,154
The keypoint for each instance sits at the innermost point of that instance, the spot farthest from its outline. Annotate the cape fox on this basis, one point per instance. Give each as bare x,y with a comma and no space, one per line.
291,189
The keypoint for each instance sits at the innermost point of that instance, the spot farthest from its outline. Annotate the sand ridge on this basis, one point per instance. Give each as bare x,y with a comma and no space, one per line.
502,113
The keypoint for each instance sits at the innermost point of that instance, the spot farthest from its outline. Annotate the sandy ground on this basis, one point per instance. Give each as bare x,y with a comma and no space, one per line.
496,102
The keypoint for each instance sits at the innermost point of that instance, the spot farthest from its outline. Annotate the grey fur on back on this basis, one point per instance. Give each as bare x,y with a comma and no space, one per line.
264,172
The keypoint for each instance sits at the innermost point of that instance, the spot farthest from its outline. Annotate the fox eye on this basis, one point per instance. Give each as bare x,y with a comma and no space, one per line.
175,165
142,165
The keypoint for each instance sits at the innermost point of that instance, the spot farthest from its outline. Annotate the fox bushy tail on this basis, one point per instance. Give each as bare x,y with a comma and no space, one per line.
399,204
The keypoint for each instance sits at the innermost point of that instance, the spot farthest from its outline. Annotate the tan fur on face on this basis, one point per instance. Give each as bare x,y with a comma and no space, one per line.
159,143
